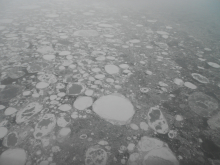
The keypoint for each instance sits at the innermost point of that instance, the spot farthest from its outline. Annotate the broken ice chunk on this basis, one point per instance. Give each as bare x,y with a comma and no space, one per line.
157,121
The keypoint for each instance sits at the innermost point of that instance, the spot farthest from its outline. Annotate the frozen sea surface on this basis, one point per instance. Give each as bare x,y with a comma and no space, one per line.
100,82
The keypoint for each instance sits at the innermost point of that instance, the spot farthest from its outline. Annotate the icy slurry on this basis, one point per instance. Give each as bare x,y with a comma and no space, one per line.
157,121
202,104
15,156
45,126
114,108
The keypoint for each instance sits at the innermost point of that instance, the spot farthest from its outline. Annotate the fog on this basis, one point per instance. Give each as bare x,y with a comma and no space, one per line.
198,17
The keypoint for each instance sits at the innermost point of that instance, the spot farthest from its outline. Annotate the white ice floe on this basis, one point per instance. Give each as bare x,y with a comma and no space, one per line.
109,80
124,66
31,28
162,33
179,118
111,69
110,58
52,15
108,36
16,156
3,132
100,76
100,58
2,107
26,93
152,151
169,27
207,49
214,65
42,85
105,25
144,126
96,70
64,131
152,21
178,81
190,85
134,41
164,154
83,102
10,110
49,57
114,108
2,28
89,92
162,84
200,78
64,53
65,107
86,33
88,13
6,21
134,126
